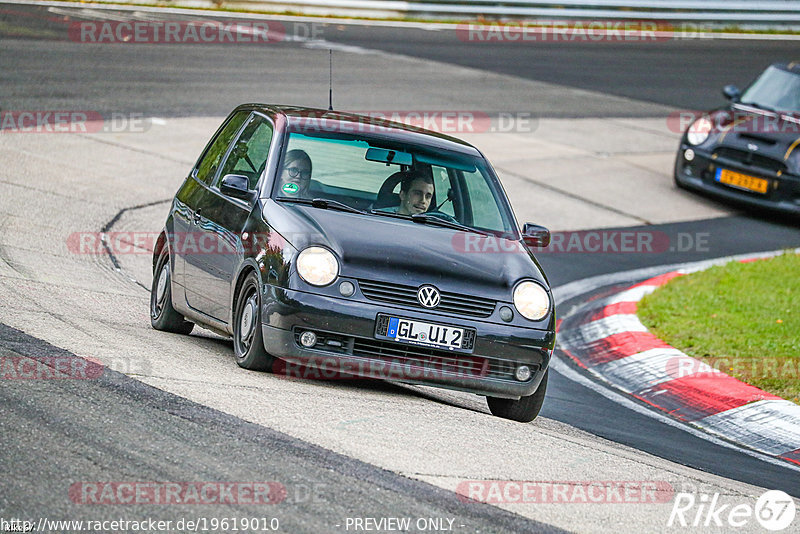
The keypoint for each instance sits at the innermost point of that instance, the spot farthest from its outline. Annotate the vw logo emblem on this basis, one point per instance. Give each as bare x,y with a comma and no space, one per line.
752,147
428,296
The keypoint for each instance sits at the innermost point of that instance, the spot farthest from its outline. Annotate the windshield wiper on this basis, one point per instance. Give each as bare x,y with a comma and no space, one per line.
323,203
426,218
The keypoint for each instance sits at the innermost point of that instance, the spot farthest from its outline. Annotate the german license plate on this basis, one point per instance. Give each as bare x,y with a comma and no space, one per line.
742,181
423,333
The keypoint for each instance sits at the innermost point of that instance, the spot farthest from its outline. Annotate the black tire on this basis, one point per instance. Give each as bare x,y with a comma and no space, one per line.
162,315
248,342
523,410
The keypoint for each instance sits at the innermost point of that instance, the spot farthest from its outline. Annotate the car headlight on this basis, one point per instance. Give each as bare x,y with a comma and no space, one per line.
698,131
532,301
317,266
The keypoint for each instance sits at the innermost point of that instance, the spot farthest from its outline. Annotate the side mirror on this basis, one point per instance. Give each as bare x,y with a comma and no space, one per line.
731,92
535,236
235,185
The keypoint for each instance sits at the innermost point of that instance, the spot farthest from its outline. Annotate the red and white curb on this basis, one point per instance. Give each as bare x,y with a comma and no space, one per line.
607,339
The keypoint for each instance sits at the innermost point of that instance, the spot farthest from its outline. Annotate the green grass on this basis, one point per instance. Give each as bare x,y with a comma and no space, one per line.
740,318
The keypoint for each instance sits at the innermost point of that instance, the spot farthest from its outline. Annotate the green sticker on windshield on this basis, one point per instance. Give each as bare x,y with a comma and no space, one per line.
290,188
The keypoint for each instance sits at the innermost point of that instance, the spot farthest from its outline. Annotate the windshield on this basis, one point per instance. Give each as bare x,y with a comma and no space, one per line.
384,178
775,89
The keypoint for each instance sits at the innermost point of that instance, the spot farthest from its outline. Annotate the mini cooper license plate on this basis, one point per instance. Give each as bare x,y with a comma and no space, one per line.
742,181
426,334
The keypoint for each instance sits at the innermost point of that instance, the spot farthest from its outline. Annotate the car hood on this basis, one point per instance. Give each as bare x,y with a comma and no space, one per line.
374,247
760,134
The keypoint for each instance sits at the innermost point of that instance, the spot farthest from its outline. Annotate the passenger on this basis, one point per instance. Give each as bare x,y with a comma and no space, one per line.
416,193
296,175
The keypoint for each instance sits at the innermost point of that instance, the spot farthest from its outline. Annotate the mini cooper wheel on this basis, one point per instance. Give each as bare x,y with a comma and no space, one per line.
162,315
523,410
248,343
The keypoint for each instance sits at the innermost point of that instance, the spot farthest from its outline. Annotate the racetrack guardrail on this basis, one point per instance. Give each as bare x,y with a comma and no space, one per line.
723,12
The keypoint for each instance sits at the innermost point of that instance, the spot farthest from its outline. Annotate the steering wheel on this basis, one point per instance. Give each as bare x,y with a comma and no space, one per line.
442,215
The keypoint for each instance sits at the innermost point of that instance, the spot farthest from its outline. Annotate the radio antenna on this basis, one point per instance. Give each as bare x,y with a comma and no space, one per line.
330,79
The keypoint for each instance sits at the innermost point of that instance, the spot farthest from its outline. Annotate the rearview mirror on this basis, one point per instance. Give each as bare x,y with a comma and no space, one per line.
731,92
235,185
535,236
388,157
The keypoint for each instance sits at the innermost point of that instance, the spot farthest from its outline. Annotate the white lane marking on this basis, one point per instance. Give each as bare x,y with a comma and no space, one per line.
327,45
770,426
609,326
634,294
650,368
622,399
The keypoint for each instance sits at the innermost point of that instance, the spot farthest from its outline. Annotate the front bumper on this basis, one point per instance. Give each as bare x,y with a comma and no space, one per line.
783,194
345,330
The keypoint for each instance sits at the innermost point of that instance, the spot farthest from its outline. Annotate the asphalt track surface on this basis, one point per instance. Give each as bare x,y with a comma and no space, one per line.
685,74
46,71
160,429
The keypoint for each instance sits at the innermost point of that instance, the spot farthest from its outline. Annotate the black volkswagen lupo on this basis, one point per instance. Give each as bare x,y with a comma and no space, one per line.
345,244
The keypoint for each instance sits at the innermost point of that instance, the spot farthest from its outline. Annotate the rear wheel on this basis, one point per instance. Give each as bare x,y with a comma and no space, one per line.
524,409
162,315
248,343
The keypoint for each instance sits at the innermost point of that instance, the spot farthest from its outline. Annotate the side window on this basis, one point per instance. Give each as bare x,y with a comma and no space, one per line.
441,179
213,157
249,154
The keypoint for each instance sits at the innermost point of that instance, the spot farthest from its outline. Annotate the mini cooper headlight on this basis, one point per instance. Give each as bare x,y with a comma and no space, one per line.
317,266
698,131
532,301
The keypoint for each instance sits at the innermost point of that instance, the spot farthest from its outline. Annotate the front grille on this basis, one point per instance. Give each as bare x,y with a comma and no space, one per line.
410,361
743,157
403,295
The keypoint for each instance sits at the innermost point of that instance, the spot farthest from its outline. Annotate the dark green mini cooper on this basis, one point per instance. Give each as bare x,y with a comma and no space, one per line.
360,247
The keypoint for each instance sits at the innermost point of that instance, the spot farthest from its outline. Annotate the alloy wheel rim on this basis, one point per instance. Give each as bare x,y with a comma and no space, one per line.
247,322
161,291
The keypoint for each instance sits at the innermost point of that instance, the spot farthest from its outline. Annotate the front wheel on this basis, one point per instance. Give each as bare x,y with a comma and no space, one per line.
248,344
162,315
524,409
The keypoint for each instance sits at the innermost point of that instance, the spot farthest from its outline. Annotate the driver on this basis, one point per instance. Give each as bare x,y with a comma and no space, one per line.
416,193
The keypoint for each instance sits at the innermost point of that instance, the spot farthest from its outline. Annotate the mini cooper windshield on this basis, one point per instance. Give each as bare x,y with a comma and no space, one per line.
775,90
357,172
